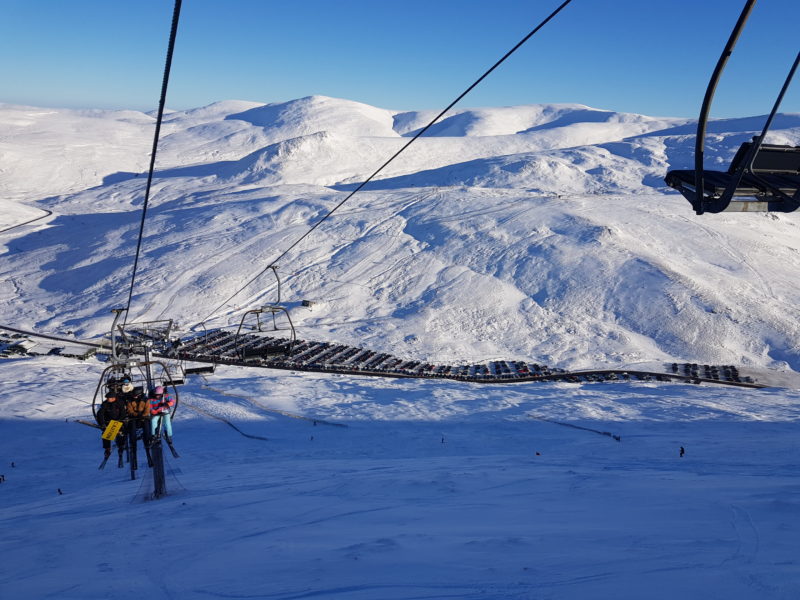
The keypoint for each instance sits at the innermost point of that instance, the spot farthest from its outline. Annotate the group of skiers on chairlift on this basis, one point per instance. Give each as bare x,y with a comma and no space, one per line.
129,405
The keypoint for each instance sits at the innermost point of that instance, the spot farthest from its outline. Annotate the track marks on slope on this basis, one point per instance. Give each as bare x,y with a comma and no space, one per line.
746,534
202,411
735,255
268,409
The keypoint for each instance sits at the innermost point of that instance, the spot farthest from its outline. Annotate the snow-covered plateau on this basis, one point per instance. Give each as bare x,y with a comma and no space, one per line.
542,233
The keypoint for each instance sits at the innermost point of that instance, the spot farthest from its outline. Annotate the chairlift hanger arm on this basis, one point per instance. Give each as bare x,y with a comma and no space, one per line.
702,121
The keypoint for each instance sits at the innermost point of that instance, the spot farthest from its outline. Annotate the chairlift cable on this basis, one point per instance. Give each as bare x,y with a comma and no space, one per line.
274,263
168,65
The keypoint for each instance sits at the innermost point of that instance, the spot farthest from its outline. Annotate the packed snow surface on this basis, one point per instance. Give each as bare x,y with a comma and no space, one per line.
541,233
432,490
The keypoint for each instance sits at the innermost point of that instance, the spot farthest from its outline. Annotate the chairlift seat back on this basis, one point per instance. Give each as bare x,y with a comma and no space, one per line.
770,158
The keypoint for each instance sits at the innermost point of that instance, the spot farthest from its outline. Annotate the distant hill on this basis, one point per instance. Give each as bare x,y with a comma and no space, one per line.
541,231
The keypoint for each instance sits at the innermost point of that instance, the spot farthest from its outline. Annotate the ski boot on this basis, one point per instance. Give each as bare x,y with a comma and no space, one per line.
171,447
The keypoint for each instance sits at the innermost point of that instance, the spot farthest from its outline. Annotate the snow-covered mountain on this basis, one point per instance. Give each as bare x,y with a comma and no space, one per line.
540,231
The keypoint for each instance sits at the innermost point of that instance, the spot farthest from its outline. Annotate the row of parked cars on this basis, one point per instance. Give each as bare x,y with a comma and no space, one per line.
713,372
226,346
326,356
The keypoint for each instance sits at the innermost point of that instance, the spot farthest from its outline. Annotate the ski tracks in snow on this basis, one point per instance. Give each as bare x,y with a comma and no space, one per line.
748,545
265,408
735,255
746,534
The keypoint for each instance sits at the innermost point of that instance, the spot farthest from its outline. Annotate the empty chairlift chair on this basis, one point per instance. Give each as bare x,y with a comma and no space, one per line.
761,178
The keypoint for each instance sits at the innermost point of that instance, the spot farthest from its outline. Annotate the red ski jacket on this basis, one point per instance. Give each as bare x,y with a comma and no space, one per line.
161,404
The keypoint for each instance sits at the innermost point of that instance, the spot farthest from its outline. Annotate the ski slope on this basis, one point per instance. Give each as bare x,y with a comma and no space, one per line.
432,489
541,233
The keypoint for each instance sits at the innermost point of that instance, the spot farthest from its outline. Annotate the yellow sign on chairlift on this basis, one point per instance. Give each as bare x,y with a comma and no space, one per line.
112,430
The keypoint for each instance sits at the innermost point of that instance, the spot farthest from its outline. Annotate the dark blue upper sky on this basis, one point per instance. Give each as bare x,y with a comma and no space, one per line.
646,56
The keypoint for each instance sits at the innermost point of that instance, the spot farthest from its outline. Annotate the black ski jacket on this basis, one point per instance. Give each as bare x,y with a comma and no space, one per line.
110,410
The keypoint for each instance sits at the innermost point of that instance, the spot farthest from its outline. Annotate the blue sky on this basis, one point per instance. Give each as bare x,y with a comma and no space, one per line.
647,56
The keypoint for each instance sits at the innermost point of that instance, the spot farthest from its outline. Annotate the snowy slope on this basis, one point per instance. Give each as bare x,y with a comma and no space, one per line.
432,490
53,151
535,232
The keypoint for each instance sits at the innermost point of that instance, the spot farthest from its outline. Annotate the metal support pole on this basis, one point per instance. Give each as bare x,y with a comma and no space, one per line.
132,459
117,312
159,481
275,270
156,451
148,372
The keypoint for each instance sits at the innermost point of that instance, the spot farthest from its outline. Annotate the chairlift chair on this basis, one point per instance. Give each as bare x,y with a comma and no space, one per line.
761,178
144,375
274,309
137,371
273,351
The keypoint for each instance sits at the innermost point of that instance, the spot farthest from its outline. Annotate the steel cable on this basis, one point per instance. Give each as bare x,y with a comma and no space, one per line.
274,263
173,33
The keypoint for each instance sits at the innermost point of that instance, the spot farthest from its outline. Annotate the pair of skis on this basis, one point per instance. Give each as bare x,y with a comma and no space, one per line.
120,463
172,449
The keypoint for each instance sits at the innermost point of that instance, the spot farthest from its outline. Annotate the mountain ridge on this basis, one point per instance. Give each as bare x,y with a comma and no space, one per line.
560,243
